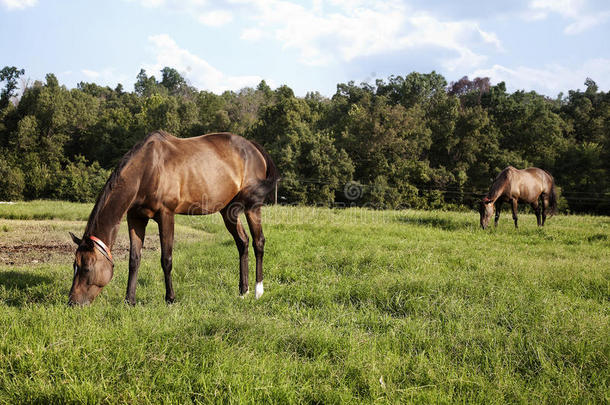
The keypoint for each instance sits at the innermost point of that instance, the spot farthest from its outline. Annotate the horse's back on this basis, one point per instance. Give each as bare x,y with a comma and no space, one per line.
202,174
540,176
533,182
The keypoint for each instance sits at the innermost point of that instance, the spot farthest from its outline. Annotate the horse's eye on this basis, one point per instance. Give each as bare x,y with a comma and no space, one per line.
82,269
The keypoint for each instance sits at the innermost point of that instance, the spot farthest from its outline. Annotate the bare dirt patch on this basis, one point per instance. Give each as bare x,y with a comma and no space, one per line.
32,242
42,253
34,253
30,253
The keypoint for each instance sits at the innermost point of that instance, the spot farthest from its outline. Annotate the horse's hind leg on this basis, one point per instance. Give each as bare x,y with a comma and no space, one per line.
230,215
545,206
536,208
253,216
514,207
166,235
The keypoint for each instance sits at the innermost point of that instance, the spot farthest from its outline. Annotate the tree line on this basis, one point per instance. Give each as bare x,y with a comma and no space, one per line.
405,141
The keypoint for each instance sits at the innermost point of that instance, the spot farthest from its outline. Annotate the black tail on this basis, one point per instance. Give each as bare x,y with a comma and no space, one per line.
272,176
552,208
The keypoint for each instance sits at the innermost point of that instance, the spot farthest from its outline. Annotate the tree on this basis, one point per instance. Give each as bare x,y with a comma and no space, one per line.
312,167
469,91
173,81
9,74
145,86
407,141
415,88
12,180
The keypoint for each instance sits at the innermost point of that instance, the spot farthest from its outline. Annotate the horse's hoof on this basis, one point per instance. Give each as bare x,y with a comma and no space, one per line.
259,290
169,300
131,303
242,296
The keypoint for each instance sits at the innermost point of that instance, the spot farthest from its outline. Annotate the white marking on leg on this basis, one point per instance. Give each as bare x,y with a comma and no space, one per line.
244,294
259,290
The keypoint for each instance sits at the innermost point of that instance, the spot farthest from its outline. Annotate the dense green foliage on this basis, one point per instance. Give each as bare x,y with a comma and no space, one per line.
360,306
412,141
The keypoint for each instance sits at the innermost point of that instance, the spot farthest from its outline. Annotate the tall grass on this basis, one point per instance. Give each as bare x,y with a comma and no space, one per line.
43,209
359,306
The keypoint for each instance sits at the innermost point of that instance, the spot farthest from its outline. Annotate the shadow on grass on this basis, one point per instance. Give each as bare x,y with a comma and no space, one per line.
22,280
446,224
18,288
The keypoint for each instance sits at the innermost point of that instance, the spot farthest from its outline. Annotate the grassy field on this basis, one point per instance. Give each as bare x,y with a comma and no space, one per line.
360,306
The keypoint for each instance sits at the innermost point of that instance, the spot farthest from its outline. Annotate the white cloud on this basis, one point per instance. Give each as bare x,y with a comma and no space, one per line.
453,36
323,32
194,68
490,38
550,80
574,10
91,74
588,21
150,3
567,8
18,4
252,34
350,29
215,18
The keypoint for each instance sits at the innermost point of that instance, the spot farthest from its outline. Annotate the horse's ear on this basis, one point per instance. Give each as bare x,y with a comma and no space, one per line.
75,239
88,242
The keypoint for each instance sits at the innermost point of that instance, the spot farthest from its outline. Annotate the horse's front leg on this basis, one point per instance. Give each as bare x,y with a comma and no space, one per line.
498,208
514,207
137,229
165,219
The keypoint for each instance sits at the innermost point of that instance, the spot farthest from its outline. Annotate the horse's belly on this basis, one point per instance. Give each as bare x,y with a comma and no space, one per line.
206,200
198,207
193,209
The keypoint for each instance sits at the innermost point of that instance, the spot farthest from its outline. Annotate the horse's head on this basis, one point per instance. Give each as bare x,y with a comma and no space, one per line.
93,269
487,210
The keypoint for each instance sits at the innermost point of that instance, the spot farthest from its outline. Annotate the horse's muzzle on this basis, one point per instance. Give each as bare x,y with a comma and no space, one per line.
72,303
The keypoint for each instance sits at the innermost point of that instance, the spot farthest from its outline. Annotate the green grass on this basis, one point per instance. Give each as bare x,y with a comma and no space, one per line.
43,209
359,306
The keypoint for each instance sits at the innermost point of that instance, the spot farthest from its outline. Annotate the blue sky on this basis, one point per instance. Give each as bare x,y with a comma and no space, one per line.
549,46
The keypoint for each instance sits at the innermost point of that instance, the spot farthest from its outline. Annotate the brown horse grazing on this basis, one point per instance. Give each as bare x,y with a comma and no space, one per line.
514,185
162,176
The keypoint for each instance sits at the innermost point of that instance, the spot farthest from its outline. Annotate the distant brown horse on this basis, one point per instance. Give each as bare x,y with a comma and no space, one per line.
514,185
162,176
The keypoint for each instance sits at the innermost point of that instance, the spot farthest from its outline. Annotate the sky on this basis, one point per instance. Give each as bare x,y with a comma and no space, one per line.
549,46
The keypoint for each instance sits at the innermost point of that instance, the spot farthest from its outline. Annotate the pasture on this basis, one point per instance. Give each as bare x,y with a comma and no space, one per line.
360,306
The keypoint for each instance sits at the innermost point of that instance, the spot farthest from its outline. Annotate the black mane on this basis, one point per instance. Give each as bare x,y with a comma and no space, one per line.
499,183
113,180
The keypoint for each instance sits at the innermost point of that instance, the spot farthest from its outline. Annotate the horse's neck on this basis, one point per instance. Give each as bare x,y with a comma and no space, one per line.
109,211
497,190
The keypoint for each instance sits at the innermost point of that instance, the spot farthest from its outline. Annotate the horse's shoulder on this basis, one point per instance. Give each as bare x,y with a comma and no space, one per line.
157,139
508,172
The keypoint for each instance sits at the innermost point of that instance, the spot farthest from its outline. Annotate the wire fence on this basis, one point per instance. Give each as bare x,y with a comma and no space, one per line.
355,190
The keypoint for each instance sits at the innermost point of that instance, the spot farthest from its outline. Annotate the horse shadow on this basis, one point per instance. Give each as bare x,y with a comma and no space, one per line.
446,224
23,287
